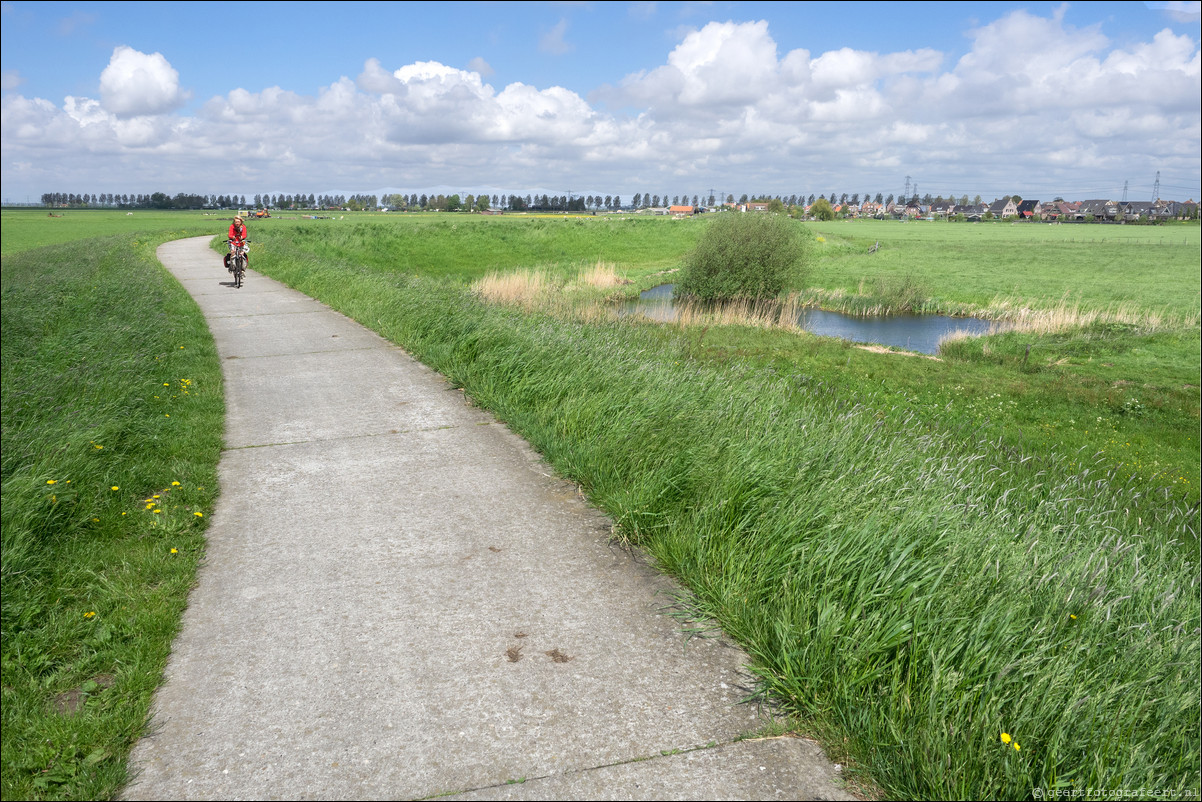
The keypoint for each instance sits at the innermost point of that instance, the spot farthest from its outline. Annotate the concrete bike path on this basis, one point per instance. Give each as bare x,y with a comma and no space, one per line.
399,600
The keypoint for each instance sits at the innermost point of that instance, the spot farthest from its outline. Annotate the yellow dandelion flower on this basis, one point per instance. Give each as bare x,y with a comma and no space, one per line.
115,487
199,514
90,614
157,512
51,481
1016,746
175,484
175,551
1005,737
1070,615
95,520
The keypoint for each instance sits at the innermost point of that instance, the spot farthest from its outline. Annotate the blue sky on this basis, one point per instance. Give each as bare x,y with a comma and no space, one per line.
779,98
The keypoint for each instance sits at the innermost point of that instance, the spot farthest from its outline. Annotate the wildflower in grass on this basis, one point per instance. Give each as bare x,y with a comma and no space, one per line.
1005,737
51,481
175,551
90,614
175,484
199,514
115,487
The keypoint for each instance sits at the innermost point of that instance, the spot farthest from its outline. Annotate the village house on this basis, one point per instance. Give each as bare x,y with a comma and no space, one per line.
679,212
871,209
1030,210
1099,209
1003,208
1135,210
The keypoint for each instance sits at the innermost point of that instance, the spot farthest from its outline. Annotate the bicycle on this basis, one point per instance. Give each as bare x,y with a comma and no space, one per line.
239,263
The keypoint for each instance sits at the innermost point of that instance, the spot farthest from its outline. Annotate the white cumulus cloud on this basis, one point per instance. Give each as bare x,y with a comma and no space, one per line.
136,83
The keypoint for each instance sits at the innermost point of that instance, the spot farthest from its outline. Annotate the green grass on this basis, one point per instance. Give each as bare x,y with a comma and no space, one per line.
1123,390
112,420
28,228
918,555
463,248
973,265
911,591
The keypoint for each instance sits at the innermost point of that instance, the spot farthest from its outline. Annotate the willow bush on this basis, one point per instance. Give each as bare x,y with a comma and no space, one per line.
744,257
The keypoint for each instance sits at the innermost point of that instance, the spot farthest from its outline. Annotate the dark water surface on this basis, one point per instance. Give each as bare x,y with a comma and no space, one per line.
919,333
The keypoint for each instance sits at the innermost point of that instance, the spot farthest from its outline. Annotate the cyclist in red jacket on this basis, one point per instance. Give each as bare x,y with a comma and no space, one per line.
237,239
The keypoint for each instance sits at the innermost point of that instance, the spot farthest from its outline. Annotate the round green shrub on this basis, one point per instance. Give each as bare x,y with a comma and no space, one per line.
749,255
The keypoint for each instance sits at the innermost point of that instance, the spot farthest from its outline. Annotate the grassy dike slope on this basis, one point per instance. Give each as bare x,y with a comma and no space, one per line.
112,421
960,617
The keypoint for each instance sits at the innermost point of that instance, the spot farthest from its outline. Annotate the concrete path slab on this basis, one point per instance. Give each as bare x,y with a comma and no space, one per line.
400,600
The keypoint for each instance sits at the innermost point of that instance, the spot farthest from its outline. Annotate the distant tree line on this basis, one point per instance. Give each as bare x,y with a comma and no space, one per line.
155,200
839,203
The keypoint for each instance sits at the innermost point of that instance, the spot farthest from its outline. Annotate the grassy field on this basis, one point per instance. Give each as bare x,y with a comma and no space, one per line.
112,420
919,555
25,228
1122,385
987,265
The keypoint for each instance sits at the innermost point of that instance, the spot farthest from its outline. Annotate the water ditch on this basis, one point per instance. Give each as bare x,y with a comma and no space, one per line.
920,333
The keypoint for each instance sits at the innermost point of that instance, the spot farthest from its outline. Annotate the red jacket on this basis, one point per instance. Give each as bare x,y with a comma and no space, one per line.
237,235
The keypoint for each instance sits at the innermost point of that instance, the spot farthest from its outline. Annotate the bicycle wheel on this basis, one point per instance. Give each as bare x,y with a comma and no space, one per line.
239,269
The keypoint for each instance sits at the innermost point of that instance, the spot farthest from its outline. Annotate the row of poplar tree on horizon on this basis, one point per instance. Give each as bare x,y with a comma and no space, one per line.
451,203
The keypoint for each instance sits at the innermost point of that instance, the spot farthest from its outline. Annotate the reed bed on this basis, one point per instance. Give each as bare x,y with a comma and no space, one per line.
602,276
953,616
746,313
526,289
1065,316
548,290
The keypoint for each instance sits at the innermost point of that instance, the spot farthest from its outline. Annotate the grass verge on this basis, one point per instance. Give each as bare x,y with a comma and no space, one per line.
112,421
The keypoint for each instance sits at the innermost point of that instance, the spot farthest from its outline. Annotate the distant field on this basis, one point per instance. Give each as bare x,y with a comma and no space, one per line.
25,229
1155,267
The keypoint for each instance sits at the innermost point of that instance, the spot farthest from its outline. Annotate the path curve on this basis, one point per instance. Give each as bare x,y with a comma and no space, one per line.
400,600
